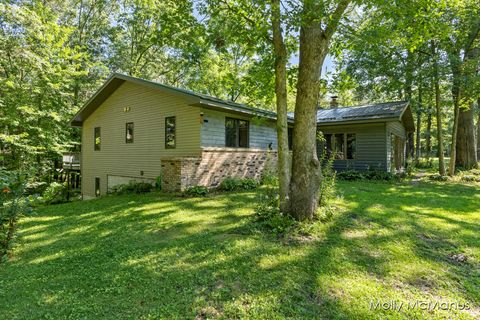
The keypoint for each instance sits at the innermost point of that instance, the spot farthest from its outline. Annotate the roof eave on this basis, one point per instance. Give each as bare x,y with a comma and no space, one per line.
356,121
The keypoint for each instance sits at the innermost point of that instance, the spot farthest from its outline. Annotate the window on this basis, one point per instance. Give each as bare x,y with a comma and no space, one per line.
328,144
236,133
290,138
129,132
170,133
97,139
97,187
351,146
344,146
338,146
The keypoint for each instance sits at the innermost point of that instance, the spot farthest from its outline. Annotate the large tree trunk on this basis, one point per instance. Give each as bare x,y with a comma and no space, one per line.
466,156
314,44
441,157
463,141
280,53
306,173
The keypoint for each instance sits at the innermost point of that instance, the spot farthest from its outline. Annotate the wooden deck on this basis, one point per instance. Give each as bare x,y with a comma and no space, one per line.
71,161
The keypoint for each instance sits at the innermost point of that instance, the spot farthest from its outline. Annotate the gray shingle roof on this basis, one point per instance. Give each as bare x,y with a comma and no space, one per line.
388,110
116,79
364,112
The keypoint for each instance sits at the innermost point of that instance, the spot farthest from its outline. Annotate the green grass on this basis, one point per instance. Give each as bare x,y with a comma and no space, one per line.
158,256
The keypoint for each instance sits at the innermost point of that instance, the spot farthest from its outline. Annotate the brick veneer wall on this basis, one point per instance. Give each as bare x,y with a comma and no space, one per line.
214,165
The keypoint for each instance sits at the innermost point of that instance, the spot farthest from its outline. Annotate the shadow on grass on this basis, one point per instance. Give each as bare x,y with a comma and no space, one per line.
161,256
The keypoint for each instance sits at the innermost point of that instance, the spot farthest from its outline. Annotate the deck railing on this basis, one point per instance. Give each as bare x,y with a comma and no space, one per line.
71,160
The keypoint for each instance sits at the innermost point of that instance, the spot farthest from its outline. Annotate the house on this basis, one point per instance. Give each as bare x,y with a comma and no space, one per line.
370,136
133,129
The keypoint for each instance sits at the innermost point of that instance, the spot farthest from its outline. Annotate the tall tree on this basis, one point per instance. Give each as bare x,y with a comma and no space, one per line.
318,23
281,57
438,109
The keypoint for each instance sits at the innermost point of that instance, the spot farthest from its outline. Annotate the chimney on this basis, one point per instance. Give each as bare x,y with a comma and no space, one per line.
334,102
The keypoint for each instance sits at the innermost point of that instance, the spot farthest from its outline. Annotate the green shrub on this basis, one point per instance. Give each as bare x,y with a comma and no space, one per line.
438,177
350,175
36,187
13,205
269,178
248,184
234,184
328,184
370,174
196,191
132,187
470,178
55,193
158,182
268,214
229,184
424,164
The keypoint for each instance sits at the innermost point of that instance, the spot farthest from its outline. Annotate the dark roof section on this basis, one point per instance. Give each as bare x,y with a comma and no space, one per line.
397,110
116,80
373,112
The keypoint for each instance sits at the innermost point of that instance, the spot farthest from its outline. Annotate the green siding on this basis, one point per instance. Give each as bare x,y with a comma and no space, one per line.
396,128
371,146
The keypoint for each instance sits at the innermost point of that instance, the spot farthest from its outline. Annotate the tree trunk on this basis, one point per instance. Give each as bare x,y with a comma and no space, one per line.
314,44
466,156
418,146
408,96
280,53
453,146
306,173
441,158
428,135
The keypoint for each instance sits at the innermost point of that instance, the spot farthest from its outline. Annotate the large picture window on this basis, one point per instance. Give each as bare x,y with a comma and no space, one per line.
129,132
97,139
236,133
339,146
351,145
344,146
170,137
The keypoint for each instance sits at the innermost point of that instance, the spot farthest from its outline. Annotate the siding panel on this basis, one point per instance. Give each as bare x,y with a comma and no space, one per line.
371,146
262,132
148,109
398,129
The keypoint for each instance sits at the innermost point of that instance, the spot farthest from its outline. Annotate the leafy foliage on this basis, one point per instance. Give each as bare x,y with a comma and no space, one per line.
235,184
370,174
55,193
132,187
13,205
268,214
196,191
327,187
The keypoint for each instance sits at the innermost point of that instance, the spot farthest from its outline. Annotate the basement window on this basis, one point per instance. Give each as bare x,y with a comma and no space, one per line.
129,132
97,187
170,138
96,139
237,133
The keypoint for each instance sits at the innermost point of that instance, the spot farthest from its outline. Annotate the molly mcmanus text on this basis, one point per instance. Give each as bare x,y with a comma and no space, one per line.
418,304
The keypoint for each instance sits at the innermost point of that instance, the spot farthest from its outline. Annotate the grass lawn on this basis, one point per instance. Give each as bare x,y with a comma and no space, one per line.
159,256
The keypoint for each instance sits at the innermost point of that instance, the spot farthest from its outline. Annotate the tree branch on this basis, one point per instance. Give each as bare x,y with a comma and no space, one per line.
335,18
